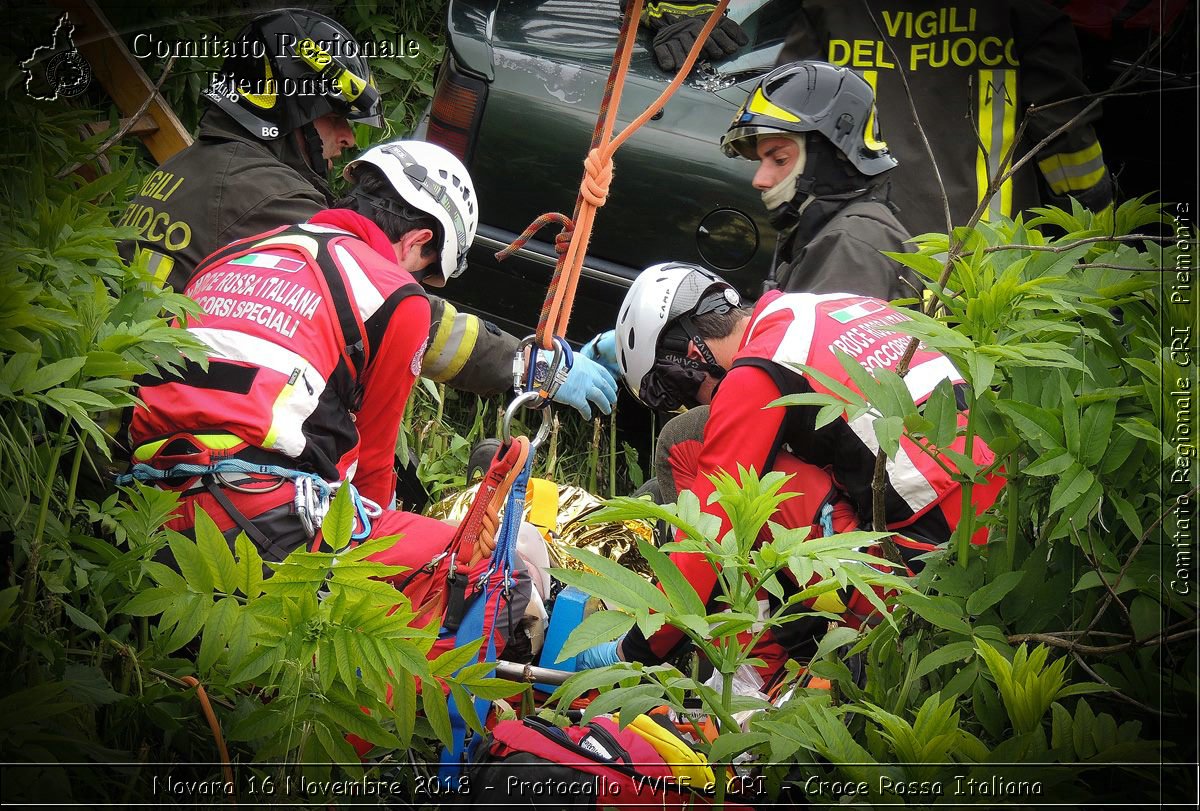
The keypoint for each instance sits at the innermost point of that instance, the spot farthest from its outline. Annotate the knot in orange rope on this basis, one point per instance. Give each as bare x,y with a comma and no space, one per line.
598,173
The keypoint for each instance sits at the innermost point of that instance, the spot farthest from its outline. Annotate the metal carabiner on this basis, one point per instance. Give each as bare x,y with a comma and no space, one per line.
529,399
532,374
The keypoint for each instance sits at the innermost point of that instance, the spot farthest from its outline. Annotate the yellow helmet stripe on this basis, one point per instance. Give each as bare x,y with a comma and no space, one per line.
265,100
312,53
351,86
759,105
872,78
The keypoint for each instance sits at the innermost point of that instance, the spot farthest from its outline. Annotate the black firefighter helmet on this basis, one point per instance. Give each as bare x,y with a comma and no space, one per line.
288,68
803,97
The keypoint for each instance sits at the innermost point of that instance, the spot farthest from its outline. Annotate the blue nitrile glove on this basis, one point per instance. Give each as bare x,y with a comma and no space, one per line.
603,350
587,381
598,656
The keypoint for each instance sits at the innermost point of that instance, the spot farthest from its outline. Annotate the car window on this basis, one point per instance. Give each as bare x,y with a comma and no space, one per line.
573,31
586,32
766,23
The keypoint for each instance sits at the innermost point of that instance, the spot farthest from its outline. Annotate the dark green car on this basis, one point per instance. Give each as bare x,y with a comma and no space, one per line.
517,99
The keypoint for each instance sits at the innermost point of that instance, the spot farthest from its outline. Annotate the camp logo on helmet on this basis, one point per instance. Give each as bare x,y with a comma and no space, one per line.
662,308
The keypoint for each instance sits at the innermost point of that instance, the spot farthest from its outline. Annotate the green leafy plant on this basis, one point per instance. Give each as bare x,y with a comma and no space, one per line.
314,650
754,555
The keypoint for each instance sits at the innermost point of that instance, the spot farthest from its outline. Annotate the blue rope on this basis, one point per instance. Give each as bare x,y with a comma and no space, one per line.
503,559
148,473
827,520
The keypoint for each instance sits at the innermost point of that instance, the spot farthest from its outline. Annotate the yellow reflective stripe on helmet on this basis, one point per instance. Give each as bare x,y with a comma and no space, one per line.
759,105
312,53
452,345
997,127
351,86
684,761
1074,171
872,78
267,99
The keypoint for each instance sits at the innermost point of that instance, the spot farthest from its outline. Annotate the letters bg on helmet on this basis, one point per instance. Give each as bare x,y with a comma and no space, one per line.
290,68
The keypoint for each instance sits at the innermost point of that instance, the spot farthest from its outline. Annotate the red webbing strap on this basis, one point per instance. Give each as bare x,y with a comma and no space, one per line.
462,546
486,542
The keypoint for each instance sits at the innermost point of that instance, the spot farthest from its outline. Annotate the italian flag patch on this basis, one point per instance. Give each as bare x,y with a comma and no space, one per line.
856,311
266,260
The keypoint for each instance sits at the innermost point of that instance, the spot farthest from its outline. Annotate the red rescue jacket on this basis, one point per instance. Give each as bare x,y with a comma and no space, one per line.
742,428
802,328
316,336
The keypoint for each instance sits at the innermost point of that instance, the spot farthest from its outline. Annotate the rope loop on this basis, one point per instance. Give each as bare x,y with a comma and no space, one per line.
568,226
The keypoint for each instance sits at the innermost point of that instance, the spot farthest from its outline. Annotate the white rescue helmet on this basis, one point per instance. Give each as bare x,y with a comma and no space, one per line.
658,298
433,181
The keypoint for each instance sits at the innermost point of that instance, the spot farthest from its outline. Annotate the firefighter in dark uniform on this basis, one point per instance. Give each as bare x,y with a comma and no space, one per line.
278,115
822,171
823,180
973,70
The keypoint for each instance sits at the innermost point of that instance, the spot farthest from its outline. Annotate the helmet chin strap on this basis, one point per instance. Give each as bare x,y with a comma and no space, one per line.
421,275
314,150
784,190
828,178
710,364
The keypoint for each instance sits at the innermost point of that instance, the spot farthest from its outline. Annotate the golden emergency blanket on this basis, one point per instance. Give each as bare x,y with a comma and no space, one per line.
562,526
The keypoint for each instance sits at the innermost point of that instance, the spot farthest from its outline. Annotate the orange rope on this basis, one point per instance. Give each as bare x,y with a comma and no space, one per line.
598,172
213,724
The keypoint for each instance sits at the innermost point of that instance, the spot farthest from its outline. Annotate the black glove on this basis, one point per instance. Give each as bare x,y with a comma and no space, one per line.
676,33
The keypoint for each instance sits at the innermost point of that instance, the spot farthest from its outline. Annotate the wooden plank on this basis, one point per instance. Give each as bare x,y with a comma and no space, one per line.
123,78
144,126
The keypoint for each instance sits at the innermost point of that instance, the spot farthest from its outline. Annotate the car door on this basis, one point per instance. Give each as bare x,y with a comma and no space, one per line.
674,194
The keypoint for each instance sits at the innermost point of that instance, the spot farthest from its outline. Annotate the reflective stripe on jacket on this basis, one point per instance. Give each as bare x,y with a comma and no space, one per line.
297,321
973,71
801,328
229,186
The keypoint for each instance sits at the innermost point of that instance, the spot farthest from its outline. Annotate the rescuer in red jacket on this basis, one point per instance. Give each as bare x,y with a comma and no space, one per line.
682,332
316,332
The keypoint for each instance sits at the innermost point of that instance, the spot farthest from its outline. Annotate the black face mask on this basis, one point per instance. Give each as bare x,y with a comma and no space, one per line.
674,382
675,379
671,384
